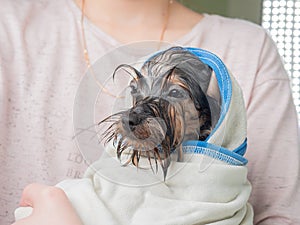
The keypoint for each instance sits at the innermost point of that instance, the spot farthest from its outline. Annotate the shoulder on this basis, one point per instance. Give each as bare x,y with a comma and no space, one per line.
234,27
18,9
241,40
224,36
23,21
17,13
246,48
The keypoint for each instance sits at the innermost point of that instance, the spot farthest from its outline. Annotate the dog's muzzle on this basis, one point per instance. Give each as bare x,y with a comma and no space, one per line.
145,122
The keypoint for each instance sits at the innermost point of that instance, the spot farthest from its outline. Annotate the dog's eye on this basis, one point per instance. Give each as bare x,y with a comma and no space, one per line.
175,93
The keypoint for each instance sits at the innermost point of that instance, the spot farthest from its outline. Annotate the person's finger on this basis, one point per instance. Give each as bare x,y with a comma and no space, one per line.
30,194
35,194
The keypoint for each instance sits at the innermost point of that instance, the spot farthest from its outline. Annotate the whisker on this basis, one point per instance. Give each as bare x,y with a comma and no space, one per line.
119,147
134,158
117,114
157,158
149,159
110,136
127,162
121,150
125,67
166,163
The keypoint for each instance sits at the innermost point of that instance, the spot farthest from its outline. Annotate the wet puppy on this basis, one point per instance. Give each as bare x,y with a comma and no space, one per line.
169,107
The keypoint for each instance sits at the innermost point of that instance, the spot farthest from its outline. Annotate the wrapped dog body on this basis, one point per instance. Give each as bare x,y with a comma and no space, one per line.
203,175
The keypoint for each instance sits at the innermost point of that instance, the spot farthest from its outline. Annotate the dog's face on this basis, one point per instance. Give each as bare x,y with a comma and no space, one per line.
168,108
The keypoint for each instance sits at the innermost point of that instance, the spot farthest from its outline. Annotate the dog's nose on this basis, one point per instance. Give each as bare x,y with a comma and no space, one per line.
135,117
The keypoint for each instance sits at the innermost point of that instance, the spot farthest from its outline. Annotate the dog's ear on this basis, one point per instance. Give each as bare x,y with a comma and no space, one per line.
201,102
203,76
133,72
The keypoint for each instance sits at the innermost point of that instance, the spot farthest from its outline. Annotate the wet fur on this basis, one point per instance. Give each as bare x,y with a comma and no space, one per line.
168,87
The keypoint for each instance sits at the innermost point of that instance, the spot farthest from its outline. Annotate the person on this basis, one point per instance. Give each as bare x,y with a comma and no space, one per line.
41,50
49,202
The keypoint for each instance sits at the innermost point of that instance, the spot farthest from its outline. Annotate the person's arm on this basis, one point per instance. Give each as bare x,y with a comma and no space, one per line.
50,206
273,149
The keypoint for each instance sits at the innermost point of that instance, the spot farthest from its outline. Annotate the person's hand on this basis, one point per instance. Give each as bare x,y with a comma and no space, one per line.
50,206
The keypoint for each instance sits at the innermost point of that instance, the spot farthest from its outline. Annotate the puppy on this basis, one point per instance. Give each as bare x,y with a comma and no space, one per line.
169,107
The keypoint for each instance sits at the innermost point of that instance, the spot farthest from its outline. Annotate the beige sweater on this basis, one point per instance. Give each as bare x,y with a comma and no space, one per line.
40,69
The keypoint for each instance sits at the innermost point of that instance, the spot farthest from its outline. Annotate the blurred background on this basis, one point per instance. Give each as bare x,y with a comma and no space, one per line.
245,9
281,18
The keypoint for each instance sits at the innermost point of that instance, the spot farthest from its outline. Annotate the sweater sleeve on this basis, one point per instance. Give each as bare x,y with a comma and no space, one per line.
273,149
